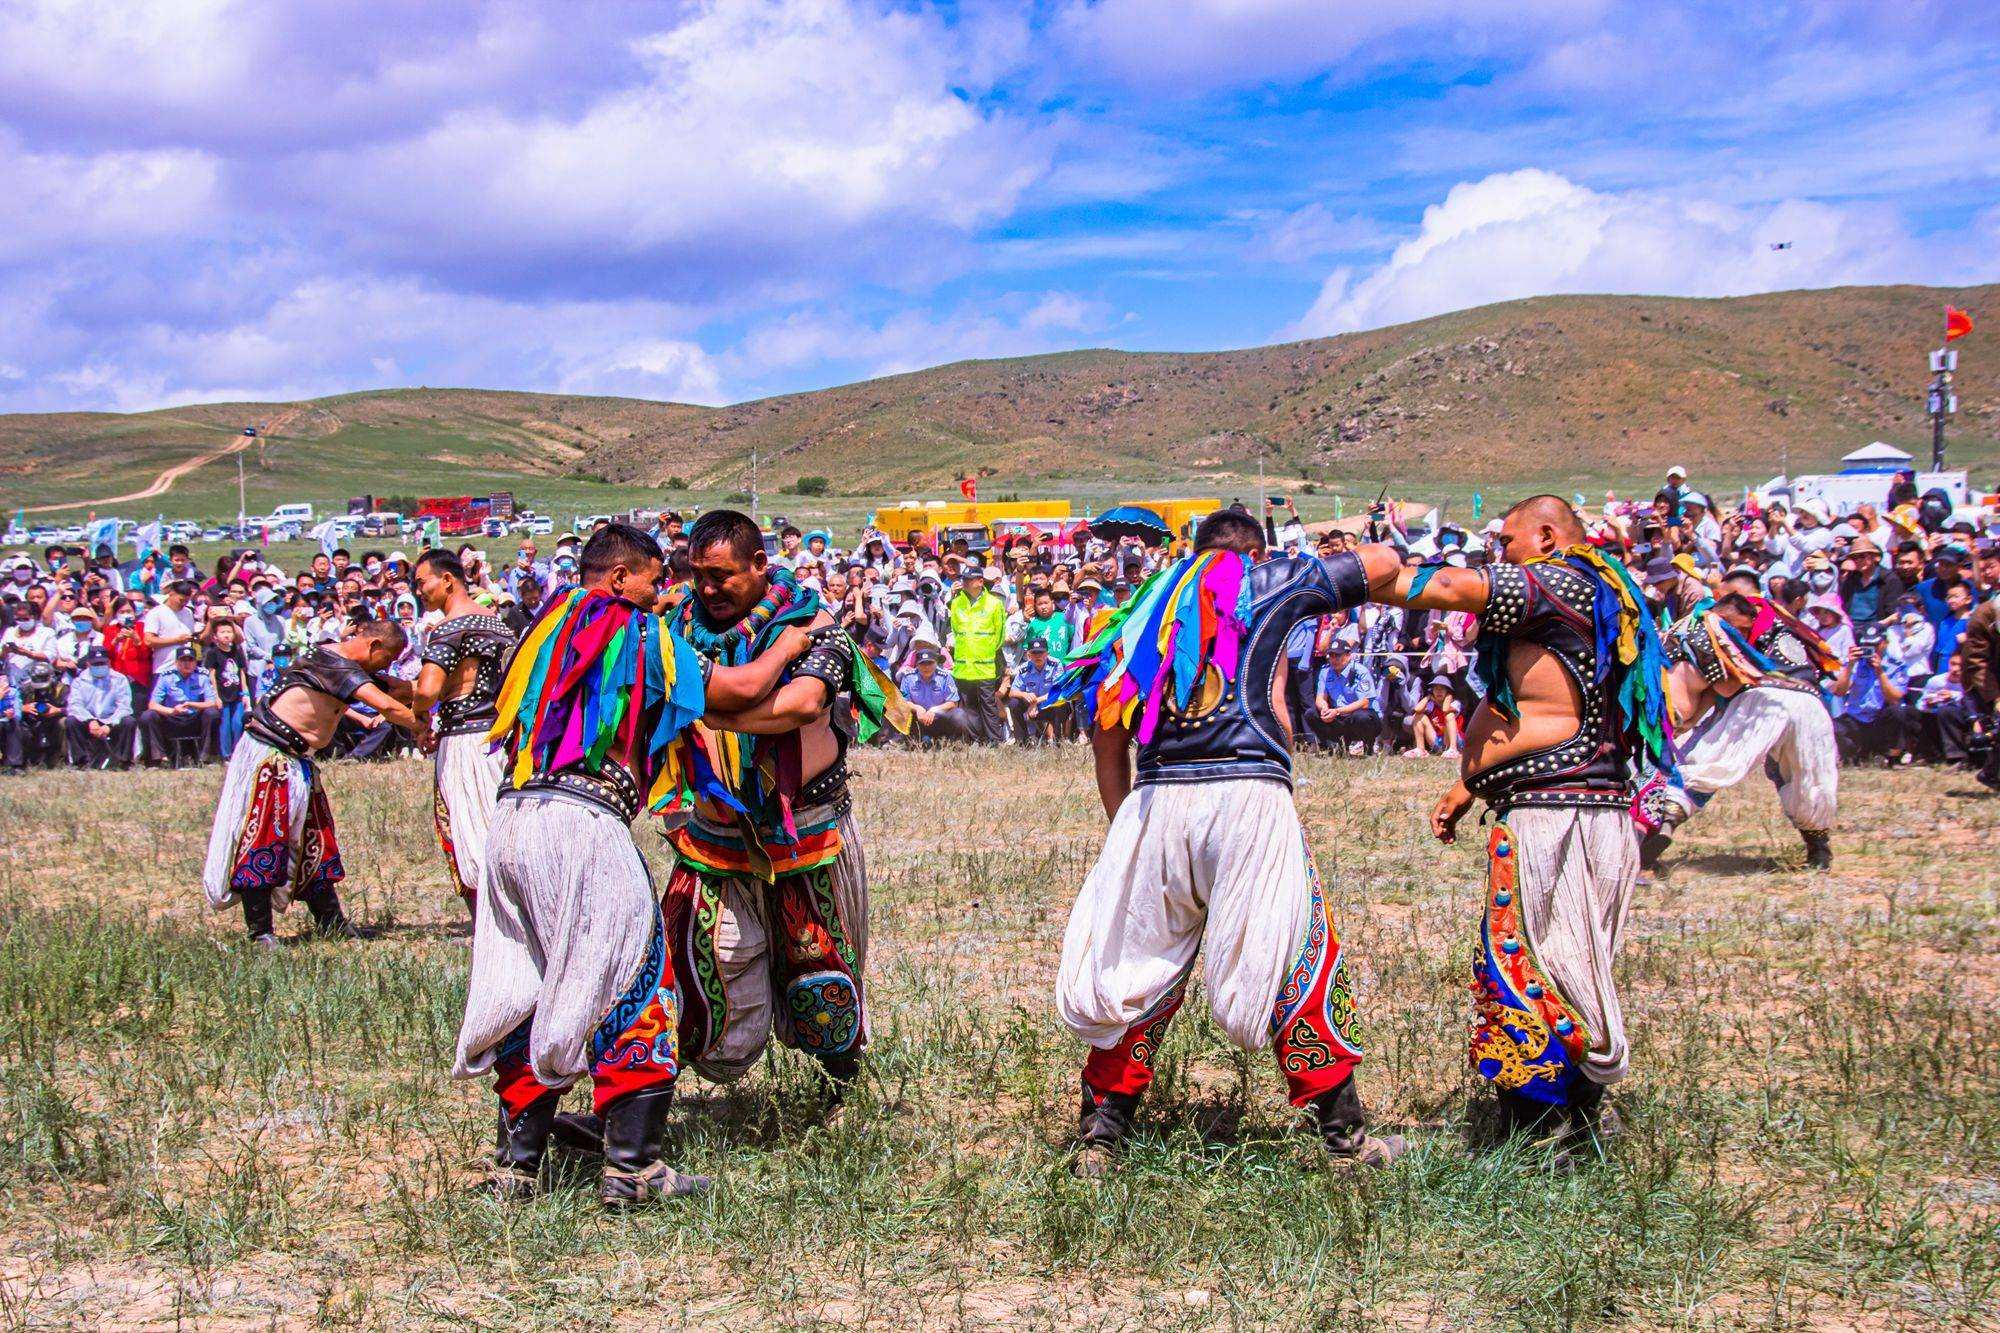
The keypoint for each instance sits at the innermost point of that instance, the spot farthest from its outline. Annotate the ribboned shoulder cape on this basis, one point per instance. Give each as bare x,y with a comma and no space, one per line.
594,671
755,780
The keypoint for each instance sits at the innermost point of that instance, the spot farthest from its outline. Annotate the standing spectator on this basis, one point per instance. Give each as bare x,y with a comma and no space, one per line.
934,703
228,671
1049,625
1935,591
1951,628
99,721
1869,591
1699,529
183,708
1344,704
27,643
978,625
169,626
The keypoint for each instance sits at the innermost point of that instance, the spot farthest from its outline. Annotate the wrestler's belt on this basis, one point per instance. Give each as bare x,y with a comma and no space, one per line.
612,789
278,734
465,714
828,789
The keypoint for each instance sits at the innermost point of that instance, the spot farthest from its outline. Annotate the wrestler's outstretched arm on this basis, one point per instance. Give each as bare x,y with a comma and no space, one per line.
1448,589
389,706
734,688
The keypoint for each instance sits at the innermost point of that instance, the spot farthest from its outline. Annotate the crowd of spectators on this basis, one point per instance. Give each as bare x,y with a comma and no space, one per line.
156,663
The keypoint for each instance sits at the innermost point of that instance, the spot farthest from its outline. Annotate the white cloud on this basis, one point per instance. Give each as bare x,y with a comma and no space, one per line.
761,132
334,335
1315,230
57,203
1197,45
1530,233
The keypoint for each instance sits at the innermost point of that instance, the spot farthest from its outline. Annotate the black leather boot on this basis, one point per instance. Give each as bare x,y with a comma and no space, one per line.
1589,1117
1342,1127
329,919
1652,847
257,917
1819,850
1103,1121
841,1071
520,1142
635,1126
580,1132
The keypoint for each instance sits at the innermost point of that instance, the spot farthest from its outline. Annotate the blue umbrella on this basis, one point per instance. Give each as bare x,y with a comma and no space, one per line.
1124,521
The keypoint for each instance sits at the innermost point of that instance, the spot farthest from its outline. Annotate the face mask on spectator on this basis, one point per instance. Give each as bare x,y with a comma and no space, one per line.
1821,580
100,673
374,567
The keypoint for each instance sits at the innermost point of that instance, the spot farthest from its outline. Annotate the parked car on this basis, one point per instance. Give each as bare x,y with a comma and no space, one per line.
586,522
535,525
42,536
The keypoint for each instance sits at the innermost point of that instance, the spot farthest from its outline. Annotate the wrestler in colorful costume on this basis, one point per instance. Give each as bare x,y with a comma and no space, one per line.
571,972
1738,707
463,658
273,838
1206,844
1574,695
767,906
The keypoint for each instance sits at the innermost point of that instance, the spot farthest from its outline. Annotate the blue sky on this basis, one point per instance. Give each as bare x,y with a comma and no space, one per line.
717,201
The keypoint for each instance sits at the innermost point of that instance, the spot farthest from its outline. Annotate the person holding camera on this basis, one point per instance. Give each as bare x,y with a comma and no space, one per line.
1874,721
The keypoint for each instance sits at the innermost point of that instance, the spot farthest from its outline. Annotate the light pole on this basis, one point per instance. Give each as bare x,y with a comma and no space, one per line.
1940,401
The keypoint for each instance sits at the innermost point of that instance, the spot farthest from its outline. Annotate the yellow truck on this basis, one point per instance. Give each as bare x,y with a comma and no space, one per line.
938,523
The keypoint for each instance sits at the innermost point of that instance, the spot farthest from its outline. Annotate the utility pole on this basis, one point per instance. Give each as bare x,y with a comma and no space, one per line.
251,431
753,483
1941,402
1260,479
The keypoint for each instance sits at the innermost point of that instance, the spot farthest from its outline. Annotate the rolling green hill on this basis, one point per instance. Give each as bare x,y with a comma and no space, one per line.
1570,393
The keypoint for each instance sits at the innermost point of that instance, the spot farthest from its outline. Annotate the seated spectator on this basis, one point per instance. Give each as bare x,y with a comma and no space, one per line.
933,700
1947,717
10,727
1024,690
42,702
1873,720
1344,704
1397,701
1434,726
183,710
98,723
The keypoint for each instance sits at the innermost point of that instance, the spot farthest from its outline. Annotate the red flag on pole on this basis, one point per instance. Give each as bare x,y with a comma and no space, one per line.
970,488
1956,323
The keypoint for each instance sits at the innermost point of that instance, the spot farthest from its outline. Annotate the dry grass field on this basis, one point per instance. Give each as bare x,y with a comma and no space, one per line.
196,1135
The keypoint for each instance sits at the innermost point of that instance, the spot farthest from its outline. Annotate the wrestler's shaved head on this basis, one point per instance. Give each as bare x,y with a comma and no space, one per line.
1539,525
1554,511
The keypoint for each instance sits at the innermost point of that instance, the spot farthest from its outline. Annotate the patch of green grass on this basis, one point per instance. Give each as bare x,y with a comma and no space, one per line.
192,1130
